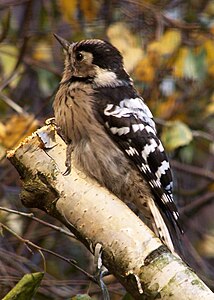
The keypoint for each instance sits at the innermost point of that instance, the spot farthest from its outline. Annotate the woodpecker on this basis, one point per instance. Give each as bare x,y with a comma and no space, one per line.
112,135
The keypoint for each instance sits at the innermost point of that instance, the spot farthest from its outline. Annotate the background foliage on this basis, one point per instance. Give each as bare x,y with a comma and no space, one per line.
168,48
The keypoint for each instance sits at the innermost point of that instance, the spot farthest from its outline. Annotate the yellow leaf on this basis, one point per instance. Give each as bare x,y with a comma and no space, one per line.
122,38
209,48
2,138
171,40
89,8
17,128
68,9
2,132
210,107
8,60
175,135
2,152
209,9
178,70
211,29
167,44
164,109
210,69
144,70
42,52
205,247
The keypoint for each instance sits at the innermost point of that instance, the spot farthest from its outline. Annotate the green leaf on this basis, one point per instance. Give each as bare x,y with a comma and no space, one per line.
201,65
175,135
81,297
190,70
8,58
186,154
47,81
26,287
194,65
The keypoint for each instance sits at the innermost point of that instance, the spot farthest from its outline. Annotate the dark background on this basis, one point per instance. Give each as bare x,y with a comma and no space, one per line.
168,48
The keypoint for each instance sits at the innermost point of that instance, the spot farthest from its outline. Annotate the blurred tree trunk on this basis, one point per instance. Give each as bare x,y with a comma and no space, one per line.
130,250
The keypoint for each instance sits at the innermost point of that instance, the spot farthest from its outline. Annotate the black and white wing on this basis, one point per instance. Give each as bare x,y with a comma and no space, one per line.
131,125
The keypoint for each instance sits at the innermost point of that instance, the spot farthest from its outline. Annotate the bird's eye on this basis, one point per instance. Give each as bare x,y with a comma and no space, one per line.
79,56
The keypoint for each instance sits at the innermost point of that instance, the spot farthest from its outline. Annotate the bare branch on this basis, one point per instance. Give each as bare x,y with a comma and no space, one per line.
130,250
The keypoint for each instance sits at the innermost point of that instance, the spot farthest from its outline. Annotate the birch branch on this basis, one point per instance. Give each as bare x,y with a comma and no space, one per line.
130,250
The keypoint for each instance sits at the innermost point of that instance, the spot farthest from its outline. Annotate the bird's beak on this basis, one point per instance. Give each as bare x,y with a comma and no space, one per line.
65,44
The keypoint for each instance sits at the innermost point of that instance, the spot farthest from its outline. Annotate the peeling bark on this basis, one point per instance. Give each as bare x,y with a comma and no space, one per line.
131,251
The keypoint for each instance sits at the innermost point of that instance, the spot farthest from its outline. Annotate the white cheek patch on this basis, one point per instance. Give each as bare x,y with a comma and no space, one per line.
105,78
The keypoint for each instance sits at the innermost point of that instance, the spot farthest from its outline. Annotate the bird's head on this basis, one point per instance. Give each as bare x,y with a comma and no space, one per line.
94,58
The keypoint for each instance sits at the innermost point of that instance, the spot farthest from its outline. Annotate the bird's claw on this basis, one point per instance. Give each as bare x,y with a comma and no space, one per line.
69,150
67,171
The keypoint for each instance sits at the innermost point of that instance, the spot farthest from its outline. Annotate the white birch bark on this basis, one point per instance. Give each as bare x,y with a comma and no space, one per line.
130,250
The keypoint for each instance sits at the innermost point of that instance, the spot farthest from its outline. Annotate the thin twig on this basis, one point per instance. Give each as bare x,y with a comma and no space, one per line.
193,170
5,3
31,216
179,24
32,62
12,104
201,188
196,204
202,134
168,21
7,81
195,133
31,244
21,54
6,99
